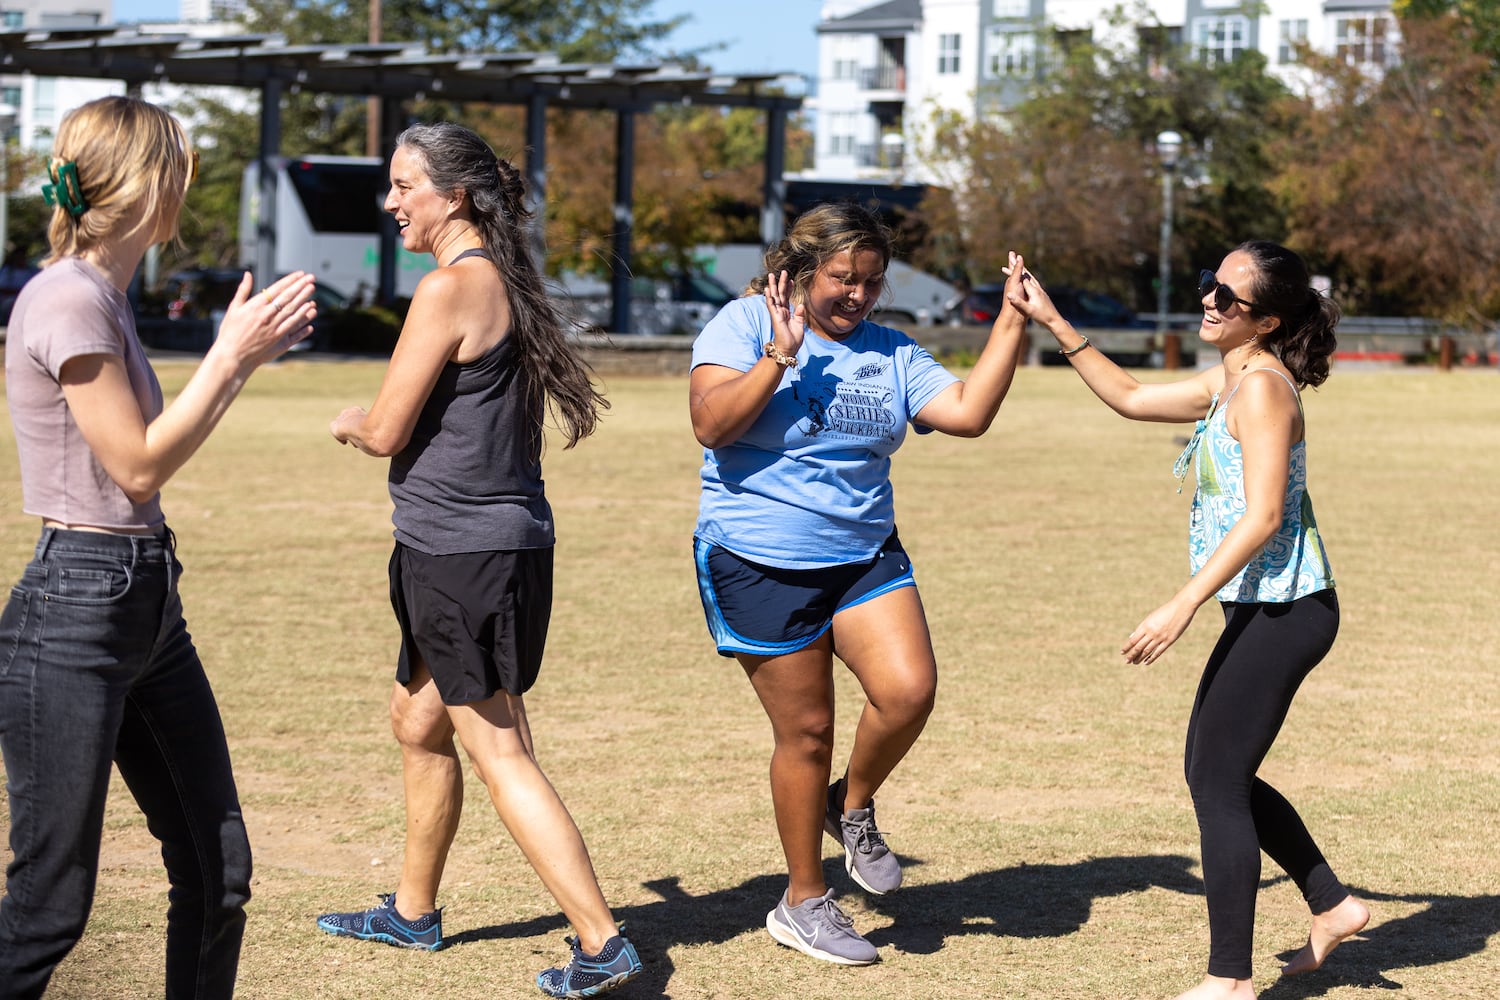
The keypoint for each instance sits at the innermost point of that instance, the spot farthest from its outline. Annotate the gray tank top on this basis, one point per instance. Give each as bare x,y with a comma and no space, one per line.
469,480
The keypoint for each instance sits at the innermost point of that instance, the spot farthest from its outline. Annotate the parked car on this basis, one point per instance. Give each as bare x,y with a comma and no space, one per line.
1084,309
185,313
1078,306
679,304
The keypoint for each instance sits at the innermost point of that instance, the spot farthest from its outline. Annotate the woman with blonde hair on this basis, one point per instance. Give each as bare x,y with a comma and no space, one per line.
96,664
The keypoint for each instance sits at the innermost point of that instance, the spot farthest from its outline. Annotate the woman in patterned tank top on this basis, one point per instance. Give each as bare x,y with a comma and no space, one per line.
1255,546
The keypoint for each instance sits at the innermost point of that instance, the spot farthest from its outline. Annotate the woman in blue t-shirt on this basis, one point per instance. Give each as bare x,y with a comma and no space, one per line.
1254,545
799,401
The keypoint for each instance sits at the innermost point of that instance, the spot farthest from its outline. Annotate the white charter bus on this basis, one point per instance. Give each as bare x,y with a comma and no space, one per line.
327,217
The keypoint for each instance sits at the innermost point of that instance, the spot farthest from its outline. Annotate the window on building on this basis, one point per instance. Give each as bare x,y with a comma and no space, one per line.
1220,39
1069,40
948,46
1012,8
1366,39
12,18
1289,36
1011,54
841,129
1155,44
845,69
44,99
82,19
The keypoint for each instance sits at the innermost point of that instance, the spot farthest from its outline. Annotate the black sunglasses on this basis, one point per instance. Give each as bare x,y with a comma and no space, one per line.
1224,296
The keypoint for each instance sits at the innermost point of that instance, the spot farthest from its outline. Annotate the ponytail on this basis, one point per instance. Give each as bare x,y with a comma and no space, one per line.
1304,339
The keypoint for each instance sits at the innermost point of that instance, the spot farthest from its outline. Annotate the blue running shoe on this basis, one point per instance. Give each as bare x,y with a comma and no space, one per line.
384,924
589,975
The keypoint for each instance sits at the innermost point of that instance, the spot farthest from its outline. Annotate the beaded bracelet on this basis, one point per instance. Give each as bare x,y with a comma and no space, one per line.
1068,354
779,356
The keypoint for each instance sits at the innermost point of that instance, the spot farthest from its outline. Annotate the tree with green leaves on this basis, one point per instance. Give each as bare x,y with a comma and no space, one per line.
1070,177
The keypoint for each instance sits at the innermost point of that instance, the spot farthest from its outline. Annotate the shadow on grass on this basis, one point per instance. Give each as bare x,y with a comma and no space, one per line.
1027,901
1450,928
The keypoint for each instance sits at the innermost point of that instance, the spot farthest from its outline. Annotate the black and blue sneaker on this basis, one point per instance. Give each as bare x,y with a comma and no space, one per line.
589,975
382,923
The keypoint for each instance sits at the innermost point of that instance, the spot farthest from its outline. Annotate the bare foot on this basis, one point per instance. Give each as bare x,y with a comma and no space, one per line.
1328,930
1219,988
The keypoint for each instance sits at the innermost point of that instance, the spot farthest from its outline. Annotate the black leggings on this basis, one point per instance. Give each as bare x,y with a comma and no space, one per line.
1260,660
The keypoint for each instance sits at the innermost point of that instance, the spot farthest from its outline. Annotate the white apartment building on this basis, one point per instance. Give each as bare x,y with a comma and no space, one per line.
212,10
30,106
884,68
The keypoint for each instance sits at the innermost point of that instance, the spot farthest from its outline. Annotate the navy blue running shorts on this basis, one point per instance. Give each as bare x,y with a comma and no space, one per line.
478,620
768,611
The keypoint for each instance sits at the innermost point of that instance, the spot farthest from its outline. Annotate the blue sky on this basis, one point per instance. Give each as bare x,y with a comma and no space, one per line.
763,36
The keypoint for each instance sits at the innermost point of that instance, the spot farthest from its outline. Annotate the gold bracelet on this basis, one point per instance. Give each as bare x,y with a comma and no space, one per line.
1068,354
779,356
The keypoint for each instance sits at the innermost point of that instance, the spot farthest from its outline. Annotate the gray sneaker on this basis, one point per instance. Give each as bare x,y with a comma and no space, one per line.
866,858
817,927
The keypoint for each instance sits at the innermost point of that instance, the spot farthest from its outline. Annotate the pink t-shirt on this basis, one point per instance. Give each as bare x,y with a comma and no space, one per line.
68,311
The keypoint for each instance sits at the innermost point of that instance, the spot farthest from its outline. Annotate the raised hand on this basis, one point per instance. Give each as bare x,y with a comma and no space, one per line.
1026,293
788,322
258,328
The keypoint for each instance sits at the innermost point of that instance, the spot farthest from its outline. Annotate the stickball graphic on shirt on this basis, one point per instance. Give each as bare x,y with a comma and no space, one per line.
848,409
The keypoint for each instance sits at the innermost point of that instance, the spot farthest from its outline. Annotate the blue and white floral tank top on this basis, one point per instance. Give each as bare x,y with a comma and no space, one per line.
1293,563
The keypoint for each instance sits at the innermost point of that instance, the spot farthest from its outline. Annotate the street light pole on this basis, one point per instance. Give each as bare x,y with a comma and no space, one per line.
1168,146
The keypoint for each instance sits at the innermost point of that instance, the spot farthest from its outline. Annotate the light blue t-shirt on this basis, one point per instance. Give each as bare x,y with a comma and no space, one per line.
809,484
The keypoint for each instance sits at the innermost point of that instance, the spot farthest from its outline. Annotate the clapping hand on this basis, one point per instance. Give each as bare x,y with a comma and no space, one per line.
788,322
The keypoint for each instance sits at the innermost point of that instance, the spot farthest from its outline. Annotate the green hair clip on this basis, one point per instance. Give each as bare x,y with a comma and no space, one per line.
65,189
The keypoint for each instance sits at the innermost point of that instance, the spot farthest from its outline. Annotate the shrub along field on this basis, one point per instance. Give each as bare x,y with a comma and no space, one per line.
1048,838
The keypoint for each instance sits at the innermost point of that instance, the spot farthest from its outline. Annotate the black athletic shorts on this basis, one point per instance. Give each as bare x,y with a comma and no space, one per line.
478,620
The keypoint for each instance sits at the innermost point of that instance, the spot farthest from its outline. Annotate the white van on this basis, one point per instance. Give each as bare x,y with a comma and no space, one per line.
327,217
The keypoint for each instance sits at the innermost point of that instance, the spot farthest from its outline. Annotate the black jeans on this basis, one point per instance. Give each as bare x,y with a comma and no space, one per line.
96,665
1260,661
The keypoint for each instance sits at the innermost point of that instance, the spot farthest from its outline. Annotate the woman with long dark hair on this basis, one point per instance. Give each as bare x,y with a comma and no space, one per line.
481,357
1254,545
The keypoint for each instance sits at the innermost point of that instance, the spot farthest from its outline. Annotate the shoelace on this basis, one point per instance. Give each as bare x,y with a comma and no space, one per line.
867,838
836,916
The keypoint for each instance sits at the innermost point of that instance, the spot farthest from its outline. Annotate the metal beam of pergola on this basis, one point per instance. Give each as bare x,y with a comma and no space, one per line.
398,72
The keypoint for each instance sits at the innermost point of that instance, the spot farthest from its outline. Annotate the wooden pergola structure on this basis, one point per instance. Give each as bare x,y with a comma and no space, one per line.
399,72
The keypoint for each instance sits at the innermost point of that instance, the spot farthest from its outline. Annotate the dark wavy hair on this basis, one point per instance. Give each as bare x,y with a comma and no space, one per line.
820,234
553,373
1281,287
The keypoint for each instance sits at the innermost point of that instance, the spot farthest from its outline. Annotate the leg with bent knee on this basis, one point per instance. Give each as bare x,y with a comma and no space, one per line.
887,646
432,777
173,757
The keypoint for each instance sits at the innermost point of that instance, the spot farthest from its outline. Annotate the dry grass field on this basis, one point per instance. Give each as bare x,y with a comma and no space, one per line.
1049,840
